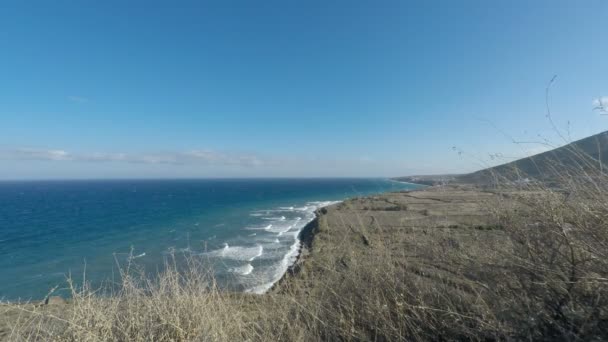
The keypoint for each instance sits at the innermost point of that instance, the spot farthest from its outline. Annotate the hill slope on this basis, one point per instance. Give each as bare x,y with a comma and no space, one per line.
583,154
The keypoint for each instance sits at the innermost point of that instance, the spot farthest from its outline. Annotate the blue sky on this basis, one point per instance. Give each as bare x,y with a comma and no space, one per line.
124,89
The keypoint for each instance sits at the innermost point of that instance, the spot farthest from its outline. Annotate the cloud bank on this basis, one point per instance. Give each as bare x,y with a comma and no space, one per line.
207,157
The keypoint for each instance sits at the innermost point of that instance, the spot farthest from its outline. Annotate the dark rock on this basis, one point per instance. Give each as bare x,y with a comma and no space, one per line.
54,300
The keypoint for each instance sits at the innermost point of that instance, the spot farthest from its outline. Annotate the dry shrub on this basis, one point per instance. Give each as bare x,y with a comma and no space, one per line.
555,275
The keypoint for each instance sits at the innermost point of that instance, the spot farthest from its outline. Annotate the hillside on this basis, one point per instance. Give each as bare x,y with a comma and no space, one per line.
548,167
577,156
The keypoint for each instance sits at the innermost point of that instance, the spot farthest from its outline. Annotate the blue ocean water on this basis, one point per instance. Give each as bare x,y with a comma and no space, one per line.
247,227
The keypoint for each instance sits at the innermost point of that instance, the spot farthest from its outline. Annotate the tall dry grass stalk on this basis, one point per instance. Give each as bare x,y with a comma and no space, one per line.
559,244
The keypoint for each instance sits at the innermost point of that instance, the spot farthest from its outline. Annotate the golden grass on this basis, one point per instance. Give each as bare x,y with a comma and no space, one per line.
534,266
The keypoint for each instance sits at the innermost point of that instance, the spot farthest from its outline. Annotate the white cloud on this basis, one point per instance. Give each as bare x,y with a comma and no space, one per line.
35,154
197,162
212,157
78,99
104,157
206,157
600,104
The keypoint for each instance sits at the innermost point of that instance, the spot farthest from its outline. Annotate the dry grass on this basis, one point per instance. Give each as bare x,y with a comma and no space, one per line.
521,261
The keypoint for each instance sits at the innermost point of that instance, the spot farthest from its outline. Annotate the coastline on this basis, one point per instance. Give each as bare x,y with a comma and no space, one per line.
310,230
467,209
427,180
304,241
308,233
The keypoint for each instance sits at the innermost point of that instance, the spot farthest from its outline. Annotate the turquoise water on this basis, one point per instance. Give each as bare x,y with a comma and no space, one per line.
246,228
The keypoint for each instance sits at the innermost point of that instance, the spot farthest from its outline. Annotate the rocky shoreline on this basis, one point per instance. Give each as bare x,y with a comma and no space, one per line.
362,226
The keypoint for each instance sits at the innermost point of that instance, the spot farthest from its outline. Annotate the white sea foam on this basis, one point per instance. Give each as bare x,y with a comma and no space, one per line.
276,272
279,269
260,289
242,270
260,252
280,229
238,253
281,218
260,212
259,228
294,233
277,254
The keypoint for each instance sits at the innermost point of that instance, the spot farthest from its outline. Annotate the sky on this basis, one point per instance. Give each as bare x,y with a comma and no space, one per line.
180,89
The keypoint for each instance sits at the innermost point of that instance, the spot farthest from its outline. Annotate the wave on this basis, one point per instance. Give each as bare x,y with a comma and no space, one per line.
260,252
242,270
281,218
277,270
273,256
280,229
237,253
268,227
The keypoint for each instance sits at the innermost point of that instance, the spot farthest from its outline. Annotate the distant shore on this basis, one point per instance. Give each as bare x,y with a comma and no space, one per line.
428,180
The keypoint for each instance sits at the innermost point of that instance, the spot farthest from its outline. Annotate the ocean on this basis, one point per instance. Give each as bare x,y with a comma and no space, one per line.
246,229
